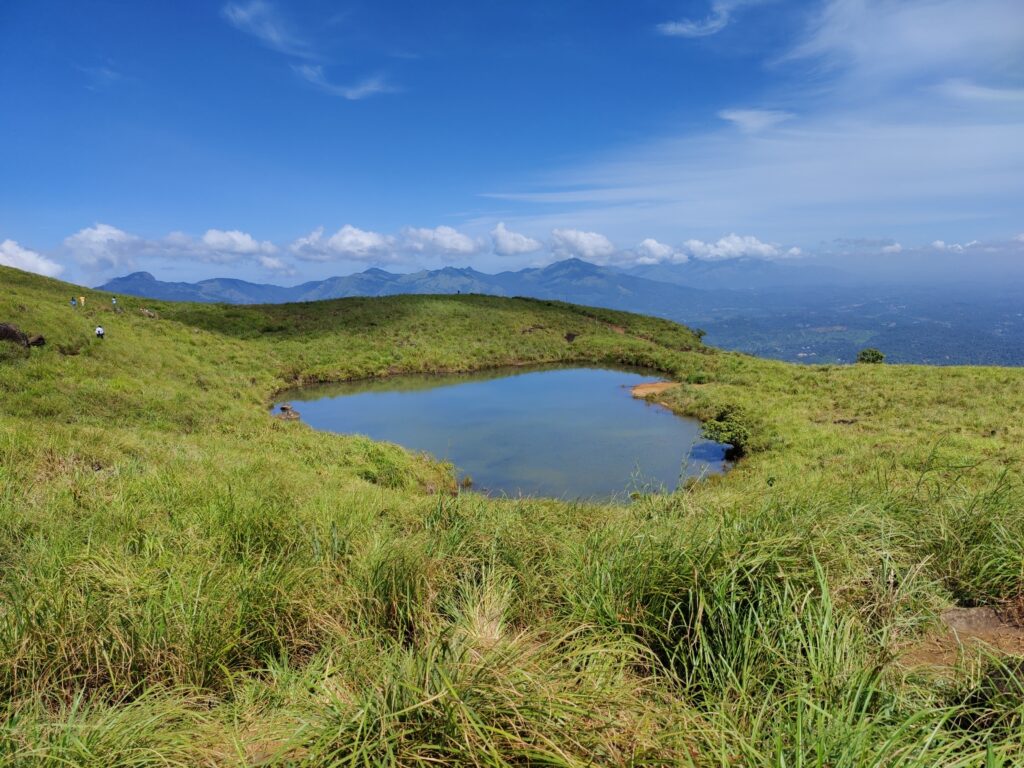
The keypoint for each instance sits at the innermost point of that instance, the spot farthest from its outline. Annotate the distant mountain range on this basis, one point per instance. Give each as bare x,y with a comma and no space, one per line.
790,310
571,280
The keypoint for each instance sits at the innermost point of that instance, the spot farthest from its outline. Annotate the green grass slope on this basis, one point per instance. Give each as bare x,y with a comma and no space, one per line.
186,581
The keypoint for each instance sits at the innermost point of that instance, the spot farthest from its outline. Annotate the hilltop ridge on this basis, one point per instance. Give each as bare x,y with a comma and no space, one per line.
799,312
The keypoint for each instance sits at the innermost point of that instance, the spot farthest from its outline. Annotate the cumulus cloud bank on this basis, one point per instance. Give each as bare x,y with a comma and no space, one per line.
105,248
13,255
233,241
509,243
591,246
348,243
650,251
442,240
732,247
359,245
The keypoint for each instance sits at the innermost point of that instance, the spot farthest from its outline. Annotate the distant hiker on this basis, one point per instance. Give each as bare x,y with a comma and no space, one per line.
113,301
81,301
99,332
74,303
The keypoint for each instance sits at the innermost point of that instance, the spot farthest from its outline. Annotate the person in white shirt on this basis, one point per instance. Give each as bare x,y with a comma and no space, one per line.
99,332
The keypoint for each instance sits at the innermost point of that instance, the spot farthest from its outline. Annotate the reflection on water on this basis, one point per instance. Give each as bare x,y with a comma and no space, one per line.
561,432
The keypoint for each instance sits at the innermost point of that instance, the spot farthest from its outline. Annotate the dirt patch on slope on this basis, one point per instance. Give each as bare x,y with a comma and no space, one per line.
653,388
970,630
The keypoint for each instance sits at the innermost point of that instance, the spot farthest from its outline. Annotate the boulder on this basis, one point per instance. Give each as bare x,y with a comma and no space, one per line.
13,334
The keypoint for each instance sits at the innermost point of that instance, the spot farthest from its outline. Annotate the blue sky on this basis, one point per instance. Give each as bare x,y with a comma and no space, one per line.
290,141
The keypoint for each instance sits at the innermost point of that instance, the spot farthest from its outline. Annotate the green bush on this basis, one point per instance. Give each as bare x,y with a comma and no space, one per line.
729,426
870,355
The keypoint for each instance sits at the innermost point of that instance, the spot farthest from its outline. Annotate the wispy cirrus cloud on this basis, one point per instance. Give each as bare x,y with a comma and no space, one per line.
899,116
717,19
101,76
755,120
888,41
314,75
967,90
261,20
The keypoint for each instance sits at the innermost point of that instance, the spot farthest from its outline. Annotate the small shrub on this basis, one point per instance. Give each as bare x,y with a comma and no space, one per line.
729,426
870,355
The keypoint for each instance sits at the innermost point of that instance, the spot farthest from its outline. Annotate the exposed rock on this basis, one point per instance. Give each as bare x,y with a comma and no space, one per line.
148,313
288,413
36,341
571,337
14,334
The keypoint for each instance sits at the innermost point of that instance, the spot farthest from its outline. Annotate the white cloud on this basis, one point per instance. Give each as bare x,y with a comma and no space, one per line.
732,247
276,264
509,243
717,19
754,120
13,255
591,246
1020,238
940,245
348,243
441,240
893,248
650,251
102,246
353,244
903,176
309,245
259,19
234,242
356,243
217,246
880,143
314,74
884,40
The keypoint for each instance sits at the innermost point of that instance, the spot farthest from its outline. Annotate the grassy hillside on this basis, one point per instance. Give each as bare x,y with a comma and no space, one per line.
186,581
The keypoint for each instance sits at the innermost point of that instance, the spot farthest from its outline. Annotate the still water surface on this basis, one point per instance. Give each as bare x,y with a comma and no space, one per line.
563,432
